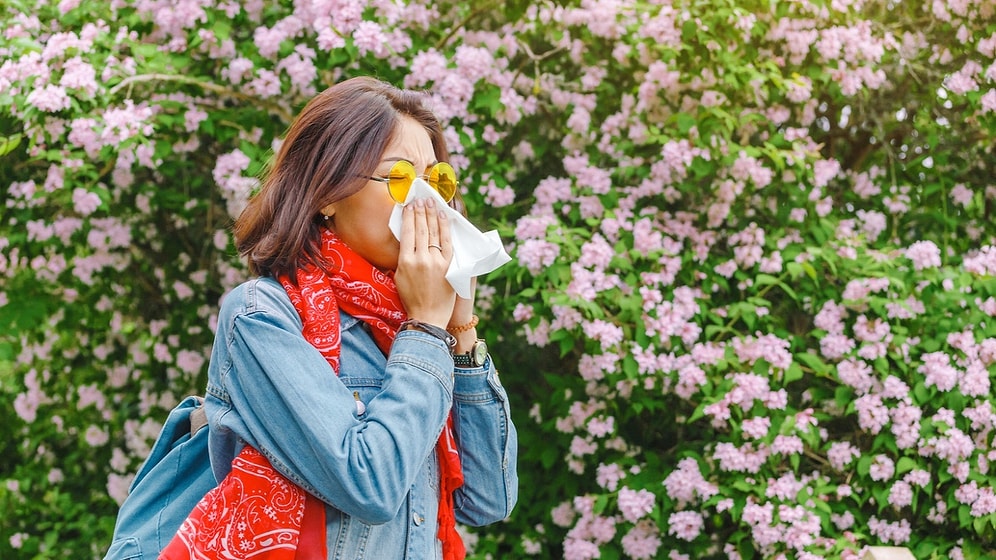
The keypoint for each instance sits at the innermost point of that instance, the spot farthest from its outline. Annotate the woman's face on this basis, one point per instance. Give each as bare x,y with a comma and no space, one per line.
361,219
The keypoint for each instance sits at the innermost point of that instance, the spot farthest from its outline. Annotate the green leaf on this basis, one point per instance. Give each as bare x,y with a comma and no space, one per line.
9,143
810,271
685,122
813,361
793,373
905,464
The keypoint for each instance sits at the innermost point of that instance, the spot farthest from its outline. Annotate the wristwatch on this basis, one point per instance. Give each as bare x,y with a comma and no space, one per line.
475,358
435,331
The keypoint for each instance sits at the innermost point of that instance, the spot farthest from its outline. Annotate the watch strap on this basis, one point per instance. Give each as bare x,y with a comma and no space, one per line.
470,359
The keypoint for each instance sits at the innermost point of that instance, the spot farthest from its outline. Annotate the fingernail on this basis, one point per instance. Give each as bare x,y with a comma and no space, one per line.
429,203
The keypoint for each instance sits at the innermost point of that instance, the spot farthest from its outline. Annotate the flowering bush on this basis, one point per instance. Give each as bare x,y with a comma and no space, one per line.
750,310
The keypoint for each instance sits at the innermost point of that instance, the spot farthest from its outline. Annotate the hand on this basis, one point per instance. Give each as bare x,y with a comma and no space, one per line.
426,250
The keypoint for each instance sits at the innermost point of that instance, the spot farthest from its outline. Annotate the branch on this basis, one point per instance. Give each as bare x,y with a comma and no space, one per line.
463,24
209,86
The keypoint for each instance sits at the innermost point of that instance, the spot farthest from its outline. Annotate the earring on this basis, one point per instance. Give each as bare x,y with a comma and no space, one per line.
326,217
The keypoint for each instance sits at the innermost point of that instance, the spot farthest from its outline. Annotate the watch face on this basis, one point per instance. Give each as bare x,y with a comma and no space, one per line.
479,353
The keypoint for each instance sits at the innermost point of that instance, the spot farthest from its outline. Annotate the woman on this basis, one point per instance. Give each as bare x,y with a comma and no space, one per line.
337,365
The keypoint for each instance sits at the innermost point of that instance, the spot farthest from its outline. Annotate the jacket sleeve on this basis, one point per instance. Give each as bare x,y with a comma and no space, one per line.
291,406
488,447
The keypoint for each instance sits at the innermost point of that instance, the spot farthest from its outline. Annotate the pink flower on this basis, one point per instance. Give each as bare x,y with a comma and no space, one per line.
301,70
581,447
369,38
988,101
983,262
685,482
937,371
740,459
601,427
799,90
785,487
577,549
882,468
596,253
690,378
747,167
78,74
265,84
843,521
51,98
237,70
642,541
824,171
522,312
768,347
96,437
756,514
787,445
975,380
961,83
189,361
831,317
686,525
857,374
836,346
268,40
757,427
118,485
563,515
924,254
84,201
894,533
984,504
918,477
901,494
961,194
634,504
608,476
841,453
872,414
228,169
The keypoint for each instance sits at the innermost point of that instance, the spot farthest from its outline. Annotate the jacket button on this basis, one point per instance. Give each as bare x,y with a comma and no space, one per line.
418,519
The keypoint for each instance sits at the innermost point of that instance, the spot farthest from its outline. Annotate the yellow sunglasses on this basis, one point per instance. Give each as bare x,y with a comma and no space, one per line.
440,177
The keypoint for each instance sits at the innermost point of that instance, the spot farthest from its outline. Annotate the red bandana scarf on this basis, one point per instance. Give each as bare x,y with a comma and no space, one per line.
228,523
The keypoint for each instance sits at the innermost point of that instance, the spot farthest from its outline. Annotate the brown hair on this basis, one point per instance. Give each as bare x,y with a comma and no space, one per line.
337,138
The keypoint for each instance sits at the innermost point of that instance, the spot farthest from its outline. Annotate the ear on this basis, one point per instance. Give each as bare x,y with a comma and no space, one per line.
328,211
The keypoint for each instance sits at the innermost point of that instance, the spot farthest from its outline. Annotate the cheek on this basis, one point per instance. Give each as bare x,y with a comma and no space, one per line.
364,227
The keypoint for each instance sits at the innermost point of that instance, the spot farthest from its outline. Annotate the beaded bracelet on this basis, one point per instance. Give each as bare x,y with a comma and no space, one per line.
465,327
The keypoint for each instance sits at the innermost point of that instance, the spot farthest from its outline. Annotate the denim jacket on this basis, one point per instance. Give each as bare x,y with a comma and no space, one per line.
374,465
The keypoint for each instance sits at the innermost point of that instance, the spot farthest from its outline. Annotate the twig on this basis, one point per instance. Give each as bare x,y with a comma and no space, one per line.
209,86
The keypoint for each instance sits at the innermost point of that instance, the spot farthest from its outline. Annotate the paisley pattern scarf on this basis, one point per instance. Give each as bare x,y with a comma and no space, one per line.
228,522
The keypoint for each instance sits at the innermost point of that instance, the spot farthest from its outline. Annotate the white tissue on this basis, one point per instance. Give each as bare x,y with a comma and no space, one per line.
474,252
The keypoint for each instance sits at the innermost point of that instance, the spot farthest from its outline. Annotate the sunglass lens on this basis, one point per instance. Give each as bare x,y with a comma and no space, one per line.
401,177
443,179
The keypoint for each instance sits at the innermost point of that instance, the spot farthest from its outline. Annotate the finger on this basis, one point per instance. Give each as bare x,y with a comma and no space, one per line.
445,233
432,224
408,228
421,237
